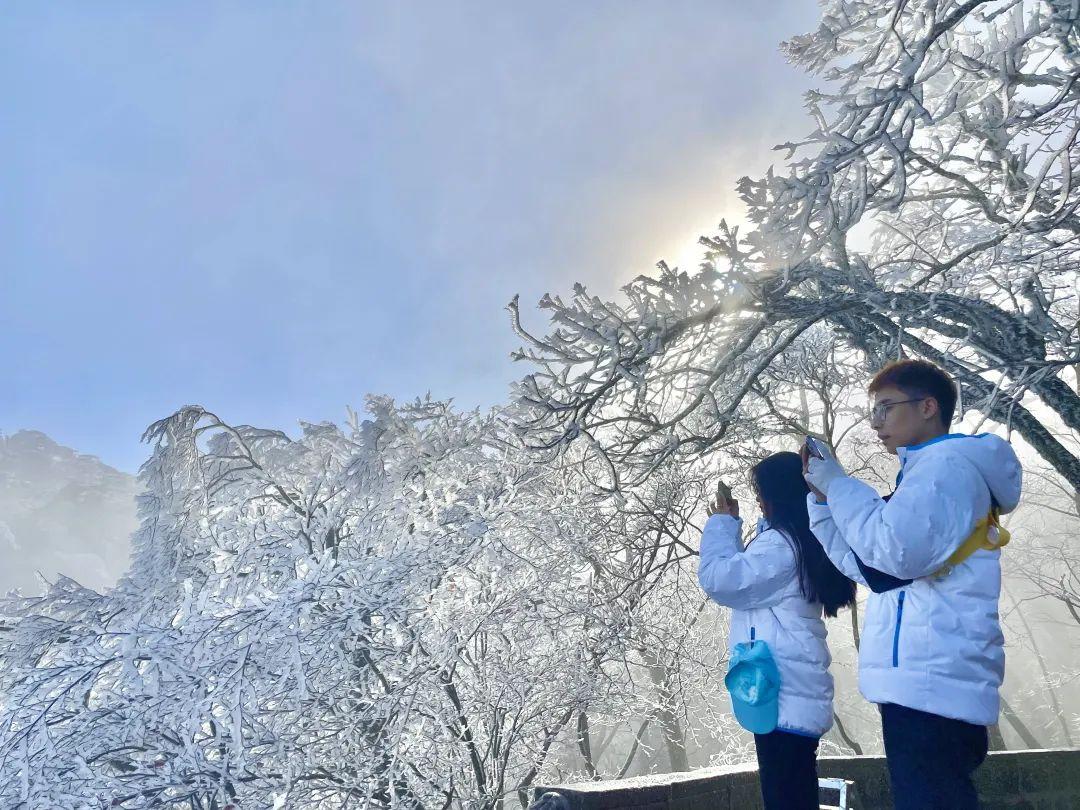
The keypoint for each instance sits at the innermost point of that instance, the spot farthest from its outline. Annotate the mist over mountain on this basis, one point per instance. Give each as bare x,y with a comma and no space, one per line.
61,512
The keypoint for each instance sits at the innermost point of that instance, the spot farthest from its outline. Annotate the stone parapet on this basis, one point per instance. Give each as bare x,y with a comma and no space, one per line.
1039,779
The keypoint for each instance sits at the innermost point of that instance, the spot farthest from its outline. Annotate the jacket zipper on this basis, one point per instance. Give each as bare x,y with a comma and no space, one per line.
896,634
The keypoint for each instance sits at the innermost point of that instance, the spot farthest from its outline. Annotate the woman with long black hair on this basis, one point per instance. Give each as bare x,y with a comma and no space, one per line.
779,586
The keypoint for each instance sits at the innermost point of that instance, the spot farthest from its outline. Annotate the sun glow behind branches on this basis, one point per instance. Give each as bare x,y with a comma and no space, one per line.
687,253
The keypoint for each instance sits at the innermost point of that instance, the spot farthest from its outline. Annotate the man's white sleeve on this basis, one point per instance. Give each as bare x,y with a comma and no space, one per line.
912,535
836,549
744,580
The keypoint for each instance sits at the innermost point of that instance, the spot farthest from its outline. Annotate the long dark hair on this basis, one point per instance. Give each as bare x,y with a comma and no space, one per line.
780,485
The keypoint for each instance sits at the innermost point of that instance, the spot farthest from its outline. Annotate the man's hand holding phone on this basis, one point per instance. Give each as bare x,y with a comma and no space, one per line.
815,448
820,467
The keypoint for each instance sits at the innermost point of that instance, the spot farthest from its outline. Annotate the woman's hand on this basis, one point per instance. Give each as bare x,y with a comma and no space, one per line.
723,503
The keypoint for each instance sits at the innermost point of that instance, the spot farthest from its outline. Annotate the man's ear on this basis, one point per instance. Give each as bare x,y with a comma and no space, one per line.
930,408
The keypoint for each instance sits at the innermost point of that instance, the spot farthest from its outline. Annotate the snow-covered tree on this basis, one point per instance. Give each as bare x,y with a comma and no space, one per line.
931,211
411,612
329,621
421,610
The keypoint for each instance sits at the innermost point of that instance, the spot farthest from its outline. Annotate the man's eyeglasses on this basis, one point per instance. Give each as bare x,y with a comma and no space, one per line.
881,410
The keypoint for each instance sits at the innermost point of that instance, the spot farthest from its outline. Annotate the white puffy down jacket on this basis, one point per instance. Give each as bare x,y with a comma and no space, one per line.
761,584
935,644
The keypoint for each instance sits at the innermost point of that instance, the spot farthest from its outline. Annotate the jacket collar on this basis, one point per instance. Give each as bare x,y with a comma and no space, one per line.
911,448
905,452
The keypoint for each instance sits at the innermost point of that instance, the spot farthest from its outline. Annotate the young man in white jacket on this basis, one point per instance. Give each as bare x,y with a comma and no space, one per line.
932,652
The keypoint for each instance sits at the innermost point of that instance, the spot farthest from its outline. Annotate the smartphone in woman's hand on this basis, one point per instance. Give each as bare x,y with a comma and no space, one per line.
723,503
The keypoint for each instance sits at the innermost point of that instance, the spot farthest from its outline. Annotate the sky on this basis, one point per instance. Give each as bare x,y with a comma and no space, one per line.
274,209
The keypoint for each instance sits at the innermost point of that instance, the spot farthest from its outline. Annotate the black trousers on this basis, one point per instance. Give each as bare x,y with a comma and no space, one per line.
787,764
931,759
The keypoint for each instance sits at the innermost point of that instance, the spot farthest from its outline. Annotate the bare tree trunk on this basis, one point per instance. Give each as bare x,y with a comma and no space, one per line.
670,724
804,408
1051,692
1068,604
850,741
1018,724
635,746
584,741
538,759
847,738
997,742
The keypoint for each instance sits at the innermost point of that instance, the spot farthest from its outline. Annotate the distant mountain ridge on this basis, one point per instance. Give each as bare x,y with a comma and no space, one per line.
61,512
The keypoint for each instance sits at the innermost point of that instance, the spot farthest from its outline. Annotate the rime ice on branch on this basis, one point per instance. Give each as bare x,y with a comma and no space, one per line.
932,211
411,612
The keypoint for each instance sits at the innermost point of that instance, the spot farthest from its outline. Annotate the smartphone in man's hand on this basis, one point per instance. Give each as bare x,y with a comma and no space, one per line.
815,448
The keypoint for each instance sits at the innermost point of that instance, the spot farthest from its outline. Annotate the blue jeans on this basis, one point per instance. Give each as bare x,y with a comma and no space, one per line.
787,766
931,759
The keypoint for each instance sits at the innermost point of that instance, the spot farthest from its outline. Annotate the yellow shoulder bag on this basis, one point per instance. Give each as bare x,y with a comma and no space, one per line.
988,534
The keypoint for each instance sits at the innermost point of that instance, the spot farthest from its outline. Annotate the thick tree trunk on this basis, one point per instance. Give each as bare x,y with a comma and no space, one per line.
584,741
866,330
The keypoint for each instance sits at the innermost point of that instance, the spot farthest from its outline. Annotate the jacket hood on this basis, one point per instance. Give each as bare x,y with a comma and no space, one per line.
991,455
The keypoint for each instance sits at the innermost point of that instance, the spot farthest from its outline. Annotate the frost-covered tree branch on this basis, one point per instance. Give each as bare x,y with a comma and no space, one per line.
931,211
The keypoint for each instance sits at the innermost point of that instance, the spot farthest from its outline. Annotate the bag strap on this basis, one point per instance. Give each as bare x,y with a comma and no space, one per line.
988,534
879,581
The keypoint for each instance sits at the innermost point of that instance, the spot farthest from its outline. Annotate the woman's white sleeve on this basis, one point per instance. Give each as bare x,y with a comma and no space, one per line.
749,579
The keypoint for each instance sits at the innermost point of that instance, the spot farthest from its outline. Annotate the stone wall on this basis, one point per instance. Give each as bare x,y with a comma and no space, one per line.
1039,780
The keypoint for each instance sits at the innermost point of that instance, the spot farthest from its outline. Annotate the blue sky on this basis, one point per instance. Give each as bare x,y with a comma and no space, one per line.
272,209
